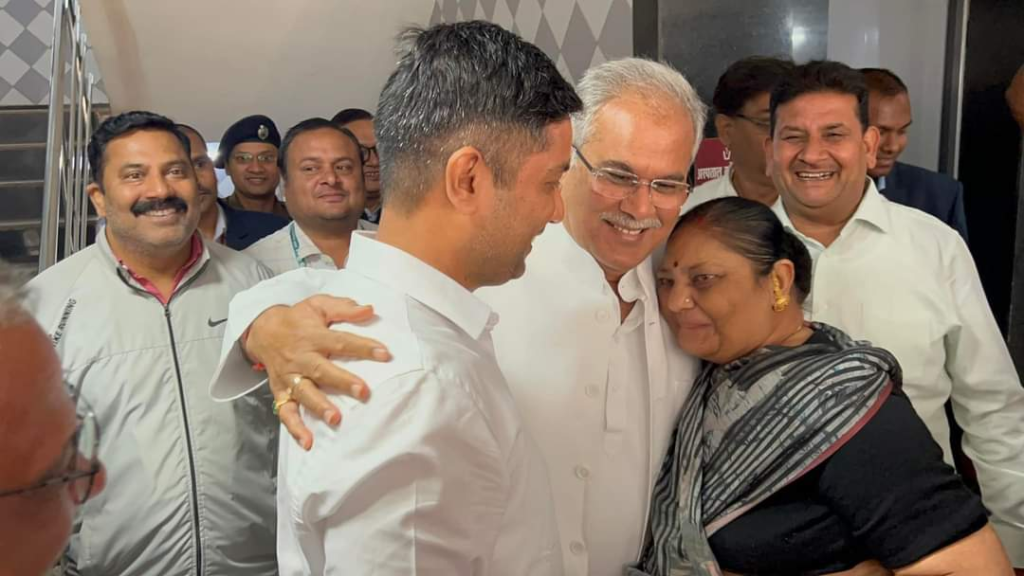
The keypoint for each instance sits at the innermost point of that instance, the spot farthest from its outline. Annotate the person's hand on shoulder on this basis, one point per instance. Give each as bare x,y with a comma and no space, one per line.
296,345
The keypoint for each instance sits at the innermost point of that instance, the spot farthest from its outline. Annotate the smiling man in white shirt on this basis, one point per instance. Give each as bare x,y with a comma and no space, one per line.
435,473
321,165
587,357
899,278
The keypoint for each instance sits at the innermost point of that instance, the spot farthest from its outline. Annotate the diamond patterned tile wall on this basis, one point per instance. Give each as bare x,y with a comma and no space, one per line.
576,34
26,34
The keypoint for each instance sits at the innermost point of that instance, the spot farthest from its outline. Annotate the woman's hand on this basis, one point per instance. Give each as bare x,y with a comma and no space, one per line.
296,345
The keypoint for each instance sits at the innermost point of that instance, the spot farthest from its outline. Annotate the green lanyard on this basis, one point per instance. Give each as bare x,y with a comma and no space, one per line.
301,262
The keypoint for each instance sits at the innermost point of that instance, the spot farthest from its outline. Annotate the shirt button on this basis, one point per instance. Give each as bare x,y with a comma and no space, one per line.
592,391
577,547
582,472
602,315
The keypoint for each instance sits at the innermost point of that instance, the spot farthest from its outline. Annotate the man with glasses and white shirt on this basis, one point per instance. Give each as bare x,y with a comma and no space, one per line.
742,123
50,466
360,123
594,371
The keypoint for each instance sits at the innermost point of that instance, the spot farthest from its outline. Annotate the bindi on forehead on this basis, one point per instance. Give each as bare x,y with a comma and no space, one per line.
675,264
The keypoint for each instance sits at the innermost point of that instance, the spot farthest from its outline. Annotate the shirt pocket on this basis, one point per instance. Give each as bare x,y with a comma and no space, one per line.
912,335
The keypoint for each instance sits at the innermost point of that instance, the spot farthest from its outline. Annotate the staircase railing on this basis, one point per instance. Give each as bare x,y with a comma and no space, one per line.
65,203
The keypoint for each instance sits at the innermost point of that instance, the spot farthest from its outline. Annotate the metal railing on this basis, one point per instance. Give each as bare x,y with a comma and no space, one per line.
65,203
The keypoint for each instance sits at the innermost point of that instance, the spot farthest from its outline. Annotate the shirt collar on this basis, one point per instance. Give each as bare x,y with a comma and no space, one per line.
197,257
881,184
420,281
221,229
872,210
306,248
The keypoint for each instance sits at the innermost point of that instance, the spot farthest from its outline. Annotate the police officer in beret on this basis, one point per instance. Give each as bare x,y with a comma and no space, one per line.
248,152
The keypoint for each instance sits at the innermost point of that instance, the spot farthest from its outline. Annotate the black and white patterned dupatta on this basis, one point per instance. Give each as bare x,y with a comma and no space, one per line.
749,428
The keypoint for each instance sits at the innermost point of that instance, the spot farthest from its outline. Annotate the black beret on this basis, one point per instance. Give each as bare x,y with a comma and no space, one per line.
256,128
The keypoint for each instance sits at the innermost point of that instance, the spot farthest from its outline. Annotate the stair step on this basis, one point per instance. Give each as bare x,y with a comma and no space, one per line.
20,162
23,124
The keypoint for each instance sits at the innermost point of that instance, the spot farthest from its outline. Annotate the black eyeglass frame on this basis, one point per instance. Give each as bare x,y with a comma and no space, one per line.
83,415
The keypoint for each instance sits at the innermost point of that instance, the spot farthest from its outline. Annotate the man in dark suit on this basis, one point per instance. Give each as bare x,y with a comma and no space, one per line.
932,192
234,228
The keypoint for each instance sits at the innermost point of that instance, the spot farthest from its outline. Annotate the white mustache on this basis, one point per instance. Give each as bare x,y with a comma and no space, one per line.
623,220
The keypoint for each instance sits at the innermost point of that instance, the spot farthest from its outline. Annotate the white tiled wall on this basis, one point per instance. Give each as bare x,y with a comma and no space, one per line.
576,34
26,33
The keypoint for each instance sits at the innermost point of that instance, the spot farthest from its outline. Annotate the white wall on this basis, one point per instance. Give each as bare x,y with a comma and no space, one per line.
909,38
209,63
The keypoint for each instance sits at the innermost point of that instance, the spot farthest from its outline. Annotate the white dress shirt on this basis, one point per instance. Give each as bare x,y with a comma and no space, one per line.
720,187
905,281
290,249
435,474
600,397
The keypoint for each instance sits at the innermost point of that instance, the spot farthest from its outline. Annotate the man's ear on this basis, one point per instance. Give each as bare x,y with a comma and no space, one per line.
871,139
98,199
769,156
723,125
467,178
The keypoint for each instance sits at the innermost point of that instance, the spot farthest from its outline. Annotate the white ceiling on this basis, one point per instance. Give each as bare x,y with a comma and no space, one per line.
210,62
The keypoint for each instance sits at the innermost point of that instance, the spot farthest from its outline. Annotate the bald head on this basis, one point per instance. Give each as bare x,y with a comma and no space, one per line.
38,423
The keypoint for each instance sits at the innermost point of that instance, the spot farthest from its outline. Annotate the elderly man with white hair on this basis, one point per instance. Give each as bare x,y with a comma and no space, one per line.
592,369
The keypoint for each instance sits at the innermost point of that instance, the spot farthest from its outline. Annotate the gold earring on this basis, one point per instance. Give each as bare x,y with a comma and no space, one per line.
781,300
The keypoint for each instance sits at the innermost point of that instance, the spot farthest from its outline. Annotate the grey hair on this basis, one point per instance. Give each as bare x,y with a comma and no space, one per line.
655,82
12,295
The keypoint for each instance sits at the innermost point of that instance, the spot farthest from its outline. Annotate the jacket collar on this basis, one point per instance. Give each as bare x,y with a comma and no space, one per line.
200,254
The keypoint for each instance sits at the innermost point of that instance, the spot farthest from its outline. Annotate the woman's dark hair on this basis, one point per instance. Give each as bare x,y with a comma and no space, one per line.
753,231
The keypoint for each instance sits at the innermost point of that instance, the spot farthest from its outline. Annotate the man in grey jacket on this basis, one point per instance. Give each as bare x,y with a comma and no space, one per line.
136,319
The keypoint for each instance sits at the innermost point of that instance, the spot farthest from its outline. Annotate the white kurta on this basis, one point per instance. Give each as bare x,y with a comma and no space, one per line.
905,281
601,397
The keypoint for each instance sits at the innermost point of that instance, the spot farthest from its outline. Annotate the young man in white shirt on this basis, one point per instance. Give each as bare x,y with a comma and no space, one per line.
590,363
435,473
321,165
899,278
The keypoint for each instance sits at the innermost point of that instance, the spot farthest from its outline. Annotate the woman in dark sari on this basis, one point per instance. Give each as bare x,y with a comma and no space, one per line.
797,452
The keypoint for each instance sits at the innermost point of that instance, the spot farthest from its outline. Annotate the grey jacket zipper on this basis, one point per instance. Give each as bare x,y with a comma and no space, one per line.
188,443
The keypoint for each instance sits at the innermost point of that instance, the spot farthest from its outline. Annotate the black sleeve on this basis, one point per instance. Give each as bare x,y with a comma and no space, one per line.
892,488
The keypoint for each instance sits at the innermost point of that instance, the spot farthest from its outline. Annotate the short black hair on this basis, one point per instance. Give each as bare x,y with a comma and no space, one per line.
351,115
123,125
883,81
464,84
309,125
753,231
822,76
747,78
